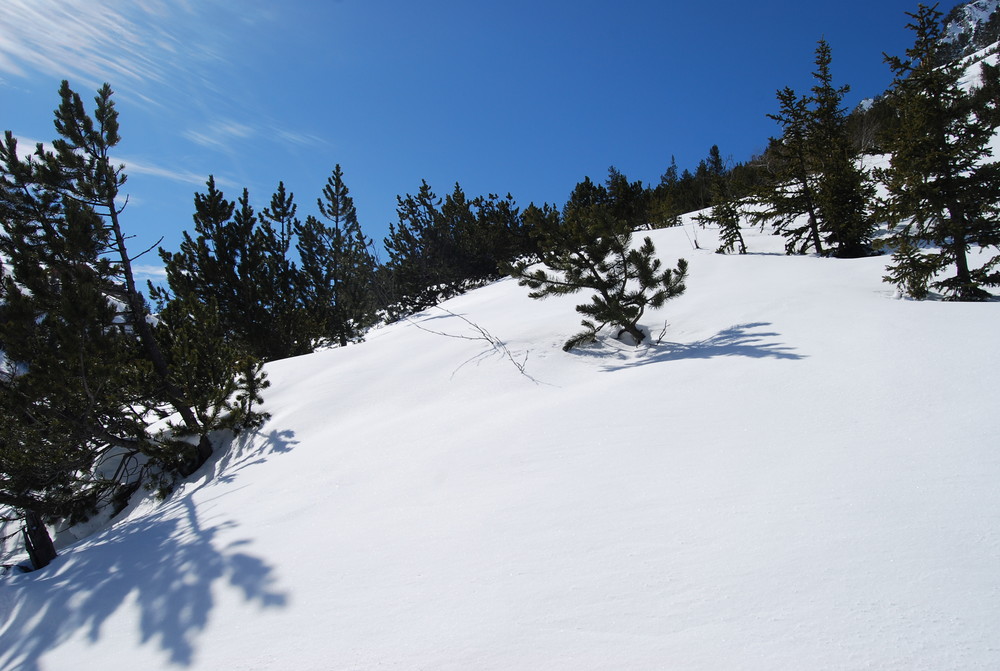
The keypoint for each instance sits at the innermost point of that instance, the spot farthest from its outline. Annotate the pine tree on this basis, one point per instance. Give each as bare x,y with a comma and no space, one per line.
338,268
83,368
461,248
726,215
941,190
665,209
716,167
843,190
224,382
215,258
589,247
628,201
440,248
725,212
499,237
415,247
792,193
288,331
81,170
239,261
819,196
64,393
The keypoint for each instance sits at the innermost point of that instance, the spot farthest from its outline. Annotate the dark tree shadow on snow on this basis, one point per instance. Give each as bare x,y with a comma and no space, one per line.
167,566
742,340
250,449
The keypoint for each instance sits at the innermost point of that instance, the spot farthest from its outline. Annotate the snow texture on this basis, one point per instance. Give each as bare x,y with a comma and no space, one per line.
800,473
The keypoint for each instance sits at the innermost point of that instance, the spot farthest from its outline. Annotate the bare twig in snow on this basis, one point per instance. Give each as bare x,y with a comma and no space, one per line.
659,338
694,242
495,343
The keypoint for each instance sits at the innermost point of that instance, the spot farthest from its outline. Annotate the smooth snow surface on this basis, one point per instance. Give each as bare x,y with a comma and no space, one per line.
802,474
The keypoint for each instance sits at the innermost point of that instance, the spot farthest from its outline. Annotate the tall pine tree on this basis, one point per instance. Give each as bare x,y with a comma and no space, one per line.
943,193
238,260
288,332
338,269
84,369
791,195
818,196
416,260
665,207
844,192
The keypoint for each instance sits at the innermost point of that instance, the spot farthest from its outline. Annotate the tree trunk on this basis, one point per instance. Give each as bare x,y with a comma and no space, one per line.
136,305
633,330
37,540
201,455
814,232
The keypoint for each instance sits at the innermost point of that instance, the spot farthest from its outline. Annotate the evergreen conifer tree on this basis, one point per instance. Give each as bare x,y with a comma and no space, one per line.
665,208
589,246
288,331
716,167
460,244
440,248
725,212
726,215
83,368
843,190
941,190
499,236
68,375
338,269
818,197
792,193
238,260
414,246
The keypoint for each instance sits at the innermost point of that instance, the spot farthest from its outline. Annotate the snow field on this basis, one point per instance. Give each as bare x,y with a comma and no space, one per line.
801,474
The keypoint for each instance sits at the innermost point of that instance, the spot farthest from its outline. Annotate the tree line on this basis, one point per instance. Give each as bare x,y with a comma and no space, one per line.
102,390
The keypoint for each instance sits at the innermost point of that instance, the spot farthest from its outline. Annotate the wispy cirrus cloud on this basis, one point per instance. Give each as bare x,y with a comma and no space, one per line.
138,167
168,54
297,138
220,134
26,147
93,41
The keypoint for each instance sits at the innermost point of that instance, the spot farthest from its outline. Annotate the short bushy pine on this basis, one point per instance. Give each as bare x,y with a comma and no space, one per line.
589,246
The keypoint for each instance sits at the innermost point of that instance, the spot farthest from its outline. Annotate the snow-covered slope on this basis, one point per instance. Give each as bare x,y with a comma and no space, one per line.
800,474
965,21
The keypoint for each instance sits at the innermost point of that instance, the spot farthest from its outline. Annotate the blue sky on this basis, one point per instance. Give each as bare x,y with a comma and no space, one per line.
520,97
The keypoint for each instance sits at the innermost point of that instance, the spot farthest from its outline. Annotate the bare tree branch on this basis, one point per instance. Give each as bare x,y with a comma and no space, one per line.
497,345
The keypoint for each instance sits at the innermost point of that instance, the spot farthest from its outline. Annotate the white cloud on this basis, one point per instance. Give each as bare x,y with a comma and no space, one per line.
134,167
26,147
301,139
220,133
150,272
95,41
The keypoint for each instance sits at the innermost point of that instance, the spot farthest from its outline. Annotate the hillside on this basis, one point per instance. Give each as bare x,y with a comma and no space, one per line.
971,26
800,473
